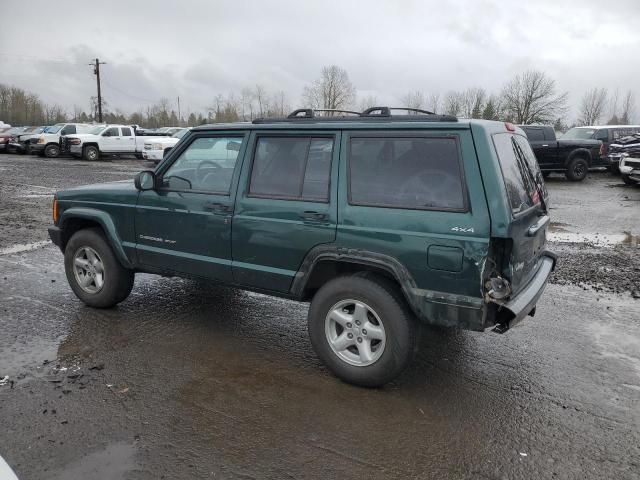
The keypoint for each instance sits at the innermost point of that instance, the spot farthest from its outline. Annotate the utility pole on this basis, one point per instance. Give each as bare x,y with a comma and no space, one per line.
96,72
179,117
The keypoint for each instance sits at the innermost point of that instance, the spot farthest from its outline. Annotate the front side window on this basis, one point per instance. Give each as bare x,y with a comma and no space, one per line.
68,130
292,168
206,165
111,132
417,173
519,170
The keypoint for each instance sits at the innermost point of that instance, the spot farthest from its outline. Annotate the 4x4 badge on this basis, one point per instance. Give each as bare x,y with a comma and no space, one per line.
462,229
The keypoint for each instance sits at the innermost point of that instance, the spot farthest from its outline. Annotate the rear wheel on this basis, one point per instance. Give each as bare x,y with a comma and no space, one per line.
91,153
93,271
577,169
362,329
52,150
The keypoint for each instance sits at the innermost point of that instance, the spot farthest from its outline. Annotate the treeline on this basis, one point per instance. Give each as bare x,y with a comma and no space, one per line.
530,97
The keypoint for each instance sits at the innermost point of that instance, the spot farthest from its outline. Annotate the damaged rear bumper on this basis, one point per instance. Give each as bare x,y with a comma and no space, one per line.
524,303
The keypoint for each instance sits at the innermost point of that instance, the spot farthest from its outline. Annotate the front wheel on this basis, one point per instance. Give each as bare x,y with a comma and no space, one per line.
52,150
362,329
93,271
577,169
91,153
626,179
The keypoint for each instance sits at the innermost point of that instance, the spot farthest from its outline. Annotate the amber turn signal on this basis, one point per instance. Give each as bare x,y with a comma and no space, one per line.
54,210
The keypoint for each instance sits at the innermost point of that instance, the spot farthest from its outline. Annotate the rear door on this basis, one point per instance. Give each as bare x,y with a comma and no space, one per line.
526,193
127,140
286,205
415,196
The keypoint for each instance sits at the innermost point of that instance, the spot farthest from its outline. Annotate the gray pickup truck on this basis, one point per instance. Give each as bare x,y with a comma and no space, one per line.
573,157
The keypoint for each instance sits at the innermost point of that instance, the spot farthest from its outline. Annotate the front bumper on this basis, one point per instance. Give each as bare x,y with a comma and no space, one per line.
37,147
75,149
524,303
55,234
155,155
3,147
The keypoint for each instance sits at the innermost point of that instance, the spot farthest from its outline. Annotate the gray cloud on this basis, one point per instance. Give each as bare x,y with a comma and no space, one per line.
198,49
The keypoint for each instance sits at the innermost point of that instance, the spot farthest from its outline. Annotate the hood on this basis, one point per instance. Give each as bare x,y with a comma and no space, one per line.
81,135
161,140
123,192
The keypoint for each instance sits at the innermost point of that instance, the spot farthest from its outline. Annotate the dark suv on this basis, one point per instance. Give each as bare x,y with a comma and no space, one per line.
376,219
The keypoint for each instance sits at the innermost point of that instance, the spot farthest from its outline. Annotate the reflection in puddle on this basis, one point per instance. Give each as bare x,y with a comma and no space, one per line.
558,234
112,463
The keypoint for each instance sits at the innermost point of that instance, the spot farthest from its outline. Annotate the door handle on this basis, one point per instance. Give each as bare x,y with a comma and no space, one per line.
311,215
217,207
535,228
545,145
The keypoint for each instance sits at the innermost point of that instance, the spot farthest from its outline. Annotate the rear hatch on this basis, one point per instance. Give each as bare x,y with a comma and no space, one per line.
528,200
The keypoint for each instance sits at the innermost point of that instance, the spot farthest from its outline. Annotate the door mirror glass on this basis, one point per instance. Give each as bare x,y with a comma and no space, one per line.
145,180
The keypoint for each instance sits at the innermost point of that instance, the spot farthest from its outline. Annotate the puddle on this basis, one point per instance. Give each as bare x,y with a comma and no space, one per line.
558,227
560,235
112,463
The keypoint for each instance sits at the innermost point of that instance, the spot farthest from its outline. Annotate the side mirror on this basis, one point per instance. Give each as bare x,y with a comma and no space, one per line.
166,150
145,180
106,134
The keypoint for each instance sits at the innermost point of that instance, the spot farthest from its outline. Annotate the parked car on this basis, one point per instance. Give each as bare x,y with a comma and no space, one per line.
627,150
6,134
608,134
376,219
156,148
21,142
105,140
573,157
49,141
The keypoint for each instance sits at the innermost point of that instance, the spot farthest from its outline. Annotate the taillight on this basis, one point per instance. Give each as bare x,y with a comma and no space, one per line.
54,210
601,149
509,126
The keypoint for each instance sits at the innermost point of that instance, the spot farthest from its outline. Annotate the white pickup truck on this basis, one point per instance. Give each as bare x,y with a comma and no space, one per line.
105,140
155,148
49,141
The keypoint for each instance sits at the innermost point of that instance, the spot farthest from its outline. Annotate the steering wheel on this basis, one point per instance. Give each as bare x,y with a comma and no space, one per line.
432,185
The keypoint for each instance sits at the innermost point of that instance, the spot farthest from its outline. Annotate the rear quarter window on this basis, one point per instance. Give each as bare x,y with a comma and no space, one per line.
423,173
518,165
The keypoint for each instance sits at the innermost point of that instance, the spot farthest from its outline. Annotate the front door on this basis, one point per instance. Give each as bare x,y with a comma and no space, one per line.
184,225
110,140
286,206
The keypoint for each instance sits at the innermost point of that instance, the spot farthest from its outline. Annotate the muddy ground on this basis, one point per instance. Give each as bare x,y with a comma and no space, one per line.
186,380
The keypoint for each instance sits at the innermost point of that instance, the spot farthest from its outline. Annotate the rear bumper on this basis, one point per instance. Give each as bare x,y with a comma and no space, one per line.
16,146
524,303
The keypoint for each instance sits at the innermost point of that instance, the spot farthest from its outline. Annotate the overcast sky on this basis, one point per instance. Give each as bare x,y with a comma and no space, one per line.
197,49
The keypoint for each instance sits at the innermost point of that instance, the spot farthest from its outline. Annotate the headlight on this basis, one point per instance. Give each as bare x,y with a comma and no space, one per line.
74,141
41,139
156,146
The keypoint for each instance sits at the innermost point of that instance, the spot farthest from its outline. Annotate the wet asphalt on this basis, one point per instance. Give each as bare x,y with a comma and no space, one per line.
190,380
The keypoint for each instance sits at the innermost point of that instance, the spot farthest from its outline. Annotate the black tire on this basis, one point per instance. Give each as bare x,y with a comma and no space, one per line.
385,299
91,153
52,150
546,174
626,179
577,169
614,169
139,156
118,281
27,149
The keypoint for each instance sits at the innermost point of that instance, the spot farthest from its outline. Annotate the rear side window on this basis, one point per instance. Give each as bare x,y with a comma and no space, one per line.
406,172
126,131
292,168
520,171
535,134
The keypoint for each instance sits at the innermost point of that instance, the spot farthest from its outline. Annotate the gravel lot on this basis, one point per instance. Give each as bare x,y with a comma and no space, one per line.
186,380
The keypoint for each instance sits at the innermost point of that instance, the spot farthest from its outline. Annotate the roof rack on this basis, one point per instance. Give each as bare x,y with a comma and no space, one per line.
382,114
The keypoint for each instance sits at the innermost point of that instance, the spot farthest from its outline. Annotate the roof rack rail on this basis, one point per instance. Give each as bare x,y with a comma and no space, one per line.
386,111
382,114
311,112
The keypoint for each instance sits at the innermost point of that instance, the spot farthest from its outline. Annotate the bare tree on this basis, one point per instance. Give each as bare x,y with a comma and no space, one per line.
260,94
367,102
332,90
453,103
531,97
413,100
433,102
628,107
592,106
472,102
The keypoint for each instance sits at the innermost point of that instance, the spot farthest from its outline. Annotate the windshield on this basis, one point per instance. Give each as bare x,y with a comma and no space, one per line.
97,130
55,129
579,133
180,133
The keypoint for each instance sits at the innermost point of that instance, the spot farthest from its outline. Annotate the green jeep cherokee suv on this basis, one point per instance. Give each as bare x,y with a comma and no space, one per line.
377,219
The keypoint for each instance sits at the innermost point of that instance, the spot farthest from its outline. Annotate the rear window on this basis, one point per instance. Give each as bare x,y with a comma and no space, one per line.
534,134
520,171
406,172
